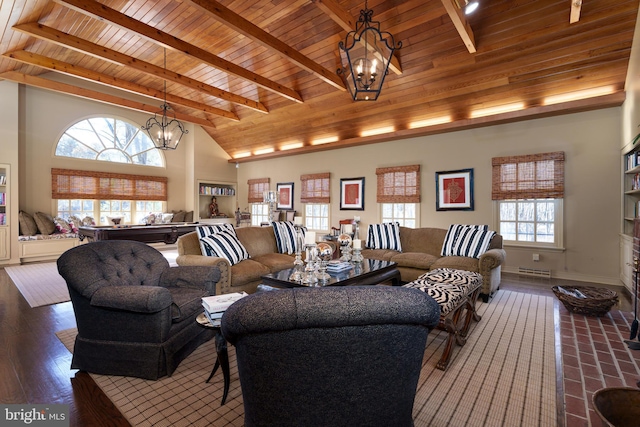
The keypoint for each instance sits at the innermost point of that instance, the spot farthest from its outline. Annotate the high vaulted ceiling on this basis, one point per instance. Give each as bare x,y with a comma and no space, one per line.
260,75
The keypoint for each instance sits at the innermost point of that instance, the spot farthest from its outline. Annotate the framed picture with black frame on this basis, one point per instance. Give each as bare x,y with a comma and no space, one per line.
285,196
454,190
352,194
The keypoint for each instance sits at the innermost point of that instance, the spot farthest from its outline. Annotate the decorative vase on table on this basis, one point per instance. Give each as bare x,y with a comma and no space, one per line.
344,240
298,264
325,252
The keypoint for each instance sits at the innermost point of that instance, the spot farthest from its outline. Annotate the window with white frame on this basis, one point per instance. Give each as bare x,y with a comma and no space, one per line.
259,209
316,193
398,193
131,212
404,213
316,216
528,191
108,139
259,213
103,194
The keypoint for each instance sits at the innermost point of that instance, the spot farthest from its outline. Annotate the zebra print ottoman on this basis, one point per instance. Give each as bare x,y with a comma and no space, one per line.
456,291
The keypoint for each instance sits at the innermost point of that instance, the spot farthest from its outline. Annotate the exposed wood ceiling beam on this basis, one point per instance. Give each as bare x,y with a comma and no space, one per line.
461,24
113,17
67,40
95,96
342,17
84,73
576,6
258,35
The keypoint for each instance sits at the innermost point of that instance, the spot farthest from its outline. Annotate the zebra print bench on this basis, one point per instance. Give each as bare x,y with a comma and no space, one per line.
456,291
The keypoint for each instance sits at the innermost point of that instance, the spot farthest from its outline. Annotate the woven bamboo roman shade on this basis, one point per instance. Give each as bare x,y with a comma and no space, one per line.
257,187
76,184
532,176
400,184
315,188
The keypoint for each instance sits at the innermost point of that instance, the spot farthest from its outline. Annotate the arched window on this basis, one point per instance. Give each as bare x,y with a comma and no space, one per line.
109,139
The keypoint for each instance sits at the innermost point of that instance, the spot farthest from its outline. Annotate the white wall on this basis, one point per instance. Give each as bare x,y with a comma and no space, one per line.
9,148
590,141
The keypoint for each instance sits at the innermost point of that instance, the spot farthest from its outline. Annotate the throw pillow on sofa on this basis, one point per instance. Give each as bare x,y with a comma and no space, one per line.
286,236
467,240
62,225
28,226
45,223
384,236
207,230
224,245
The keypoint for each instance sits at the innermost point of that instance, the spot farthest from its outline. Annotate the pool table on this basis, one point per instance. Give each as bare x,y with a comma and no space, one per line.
152,233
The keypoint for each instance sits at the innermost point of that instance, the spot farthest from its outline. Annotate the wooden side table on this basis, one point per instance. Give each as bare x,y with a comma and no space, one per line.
222,359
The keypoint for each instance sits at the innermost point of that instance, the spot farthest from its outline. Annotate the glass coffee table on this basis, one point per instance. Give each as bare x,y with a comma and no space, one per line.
368,272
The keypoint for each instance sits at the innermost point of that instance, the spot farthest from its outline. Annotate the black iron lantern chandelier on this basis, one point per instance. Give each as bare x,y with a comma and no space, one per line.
165,131
365,55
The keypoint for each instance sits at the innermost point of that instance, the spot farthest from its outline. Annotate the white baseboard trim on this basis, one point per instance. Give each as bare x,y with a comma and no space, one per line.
615,281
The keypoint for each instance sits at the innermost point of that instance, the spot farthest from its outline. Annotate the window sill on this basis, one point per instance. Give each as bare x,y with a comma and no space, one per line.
534,246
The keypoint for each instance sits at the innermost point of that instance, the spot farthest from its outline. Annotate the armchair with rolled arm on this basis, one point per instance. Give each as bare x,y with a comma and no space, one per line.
135,314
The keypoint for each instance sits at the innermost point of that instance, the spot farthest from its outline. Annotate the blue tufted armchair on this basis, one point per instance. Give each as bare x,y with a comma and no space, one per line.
135,314
335,356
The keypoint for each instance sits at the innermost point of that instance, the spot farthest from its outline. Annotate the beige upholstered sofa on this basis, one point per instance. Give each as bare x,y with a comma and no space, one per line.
265,258
421,248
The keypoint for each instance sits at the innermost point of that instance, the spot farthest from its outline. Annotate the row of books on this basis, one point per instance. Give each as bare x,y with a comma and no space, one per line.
3,198
215,305
635,184
3,179
3,219
633,160
217,191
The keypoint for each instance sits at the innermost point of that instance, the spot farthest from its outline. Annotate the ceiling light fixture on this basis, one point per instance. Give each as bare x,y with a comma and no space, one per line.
365,55
581,94
325,140
291,146
470,6
429,122
264,151
499,109
377,131
167,132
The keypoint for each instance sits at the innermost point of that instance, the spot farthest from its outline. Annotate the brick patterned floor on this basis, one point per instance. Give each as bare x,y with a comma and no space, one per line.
594,356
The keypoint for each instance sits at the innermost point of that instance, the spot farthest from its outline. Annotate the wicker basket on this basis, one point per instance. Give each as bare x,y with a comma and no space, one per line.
598,301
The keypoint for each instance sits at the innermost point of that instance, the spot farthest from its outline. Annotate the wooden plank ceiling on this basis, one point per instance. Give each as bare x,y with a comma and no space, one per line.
260,75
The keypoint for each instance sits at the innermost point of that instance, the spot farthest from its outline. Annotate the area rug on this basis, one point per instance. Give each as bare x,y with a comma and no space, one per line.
39,283
503,376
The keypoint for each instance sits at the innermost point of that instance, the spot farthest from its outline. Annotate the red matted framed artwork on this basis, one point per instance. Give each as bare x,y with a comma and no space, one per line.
285,195
352,194
454,190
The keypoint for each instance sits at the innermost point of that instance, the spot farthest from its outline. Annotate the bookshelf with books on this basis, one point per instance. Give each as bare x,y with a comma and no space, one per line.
225,194
4,211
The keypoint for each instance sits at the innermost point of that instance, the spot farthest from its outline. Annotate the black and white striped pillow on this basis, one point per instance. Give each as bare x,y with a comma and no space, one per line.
224,245
207,230
384,236
285,232
467,240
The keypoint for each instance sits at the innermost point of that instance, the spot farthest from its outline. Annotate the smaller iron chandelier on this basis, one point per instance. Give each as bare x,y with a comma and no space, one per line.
166,132
366,51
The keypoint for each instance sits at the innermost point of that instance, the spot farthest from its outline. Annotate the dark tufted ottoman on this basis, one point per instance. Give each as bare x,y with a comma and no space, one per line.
456,291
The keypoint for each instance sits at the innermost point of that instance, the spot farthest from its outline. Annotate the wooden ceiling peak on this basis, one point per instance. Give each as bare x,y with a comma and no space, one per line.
99,11
525,52
255,33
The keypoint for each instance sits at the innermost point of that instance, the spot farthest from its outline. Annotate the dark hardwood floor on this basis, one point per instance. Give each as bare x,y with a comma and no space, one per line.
35,366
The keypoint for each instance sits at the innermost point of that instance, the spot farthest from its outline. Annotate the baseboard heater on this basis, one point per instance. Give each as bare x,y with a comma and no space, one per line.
534,272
